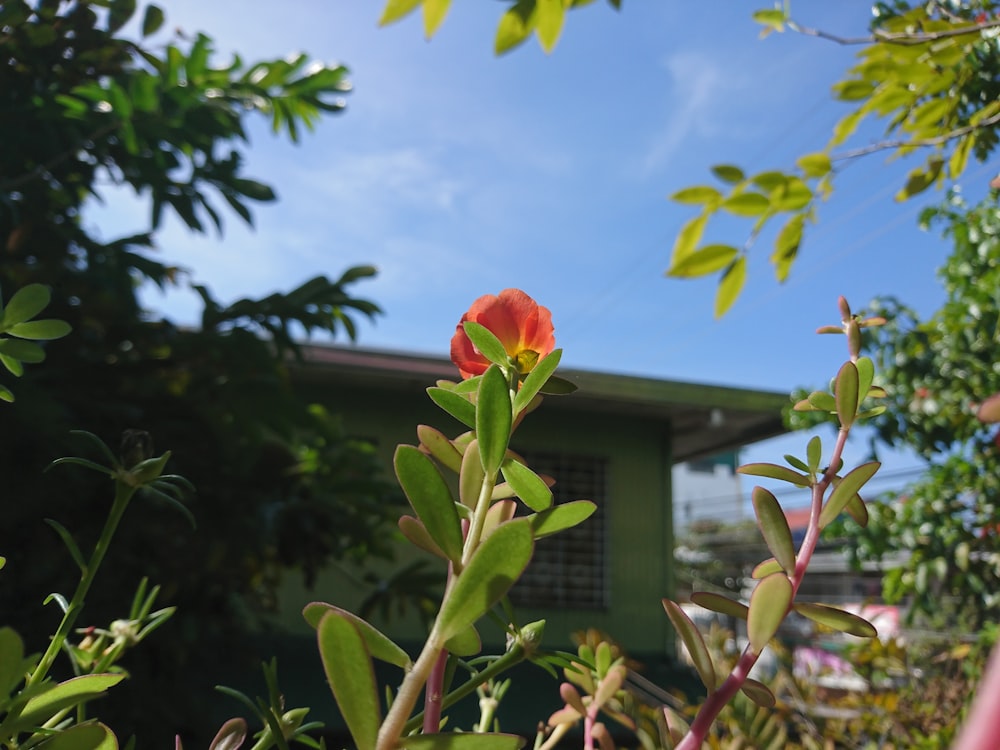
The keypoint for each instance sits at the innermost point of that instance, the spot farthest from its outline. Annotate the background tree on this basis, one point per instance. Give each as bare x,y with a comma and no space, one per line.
280,486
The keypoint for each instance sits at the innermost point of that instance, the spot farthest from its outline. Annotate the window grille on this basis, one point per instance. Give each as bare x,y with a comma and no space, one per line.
569,569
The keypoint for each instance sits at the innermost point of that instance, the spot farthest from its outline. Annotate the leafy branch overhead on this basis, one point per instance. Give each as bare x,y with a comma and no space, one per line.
929,73
521,19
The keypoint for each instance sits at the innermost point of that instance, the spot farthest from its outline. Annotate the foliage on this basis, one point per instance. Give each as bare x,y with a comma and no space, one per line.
279,484
939,538
543,18
927,70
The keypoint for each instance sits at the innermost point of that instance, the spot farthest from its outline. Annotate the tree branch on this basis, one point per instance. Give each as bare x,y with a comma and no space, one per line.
917,143
901,38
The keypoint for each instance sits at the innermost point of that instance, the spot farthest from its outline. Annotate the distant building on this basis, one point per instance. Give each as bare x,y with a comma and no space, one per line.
707,489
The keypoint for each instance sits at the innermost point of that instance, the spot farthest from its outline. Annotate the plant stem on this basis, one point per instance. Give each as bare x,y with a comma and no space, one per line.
123,493
432,694
717,700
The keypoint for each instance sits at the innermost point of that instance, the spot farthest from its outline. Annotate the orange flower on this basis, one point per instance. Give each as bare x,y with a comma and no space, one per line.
523,326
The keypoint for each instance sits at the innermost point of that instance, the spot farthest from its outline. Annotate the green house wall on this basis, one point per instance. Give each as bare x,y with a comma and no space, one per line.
638,512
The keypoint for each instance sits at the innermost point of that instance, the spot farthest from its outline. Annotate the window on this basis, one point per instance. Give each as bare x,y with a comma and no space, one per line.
568,569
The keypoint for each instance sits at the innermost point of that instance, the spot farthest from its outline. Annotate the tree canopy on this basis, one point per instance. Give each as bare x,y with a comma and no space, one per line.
279,485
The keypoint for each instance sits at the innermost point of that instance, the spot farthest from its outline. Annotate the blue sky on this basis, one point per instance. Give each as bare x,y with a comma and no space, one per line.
458,174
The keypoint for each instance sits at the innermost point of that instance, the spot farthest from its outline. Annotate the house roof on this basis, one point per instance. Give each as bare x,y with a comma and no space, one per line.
704,419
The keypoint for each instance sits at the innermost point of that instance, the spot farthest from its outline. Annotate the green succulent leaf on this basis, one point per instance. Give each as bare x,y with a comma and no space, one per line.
462,741
814,453
440,447
466,643
536,379
11,658
765,568
471,476
379,645
721,604
455,404
493,419
559,517
687,631
90,736
430,497
774,471
768,606
489,574
349,670
845,491
528,486
837,619
774,528
758,692
25,351
823,401
846,394
40,330
417,535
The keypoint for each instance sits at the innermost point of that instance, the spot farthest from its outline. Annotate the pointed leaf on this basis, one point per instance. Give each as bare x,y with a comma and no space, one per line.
40,330
537,378
866,374
774,528
610,684
687,239
349,671
530,487
556,386
721,604
796,463
857,510
71,545
549,18
379,645
492,570
515,26
26,303
728,173
430,497
695,644
698,195
152,20
703,261
837,619
461,741
562,516
845,490
758,692
774,471
493,419
817,164
730,286
434,13
73,692
455,404
417,535
846,394
394,10
768,607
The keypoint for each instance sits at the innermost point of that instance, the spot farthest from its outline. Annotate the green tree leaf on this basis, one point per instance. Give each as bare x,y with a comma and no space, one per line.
515,26
703,261
688,238
728,173
348,669
430,497
549,18
730,286
746,204
395,10
152,20
699,195
494,567
26,303
817,164
434,14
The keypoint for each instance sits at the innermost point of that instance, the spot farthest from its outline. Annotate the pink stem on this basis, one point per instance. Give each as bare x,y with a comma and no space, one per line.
434,693
715,702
